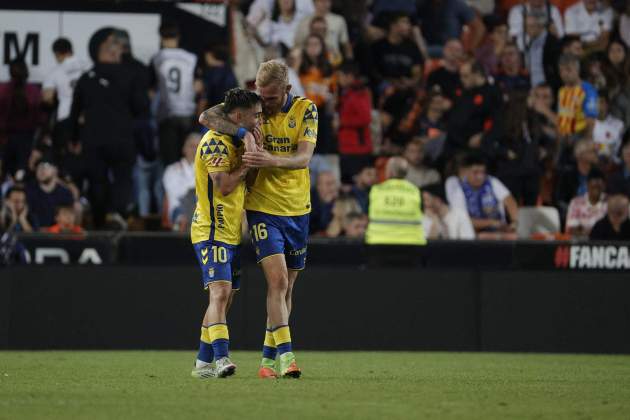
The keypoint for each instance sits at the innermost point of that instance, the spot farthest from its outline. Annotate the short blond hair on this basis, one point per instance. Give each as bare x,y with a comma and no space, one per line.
272,71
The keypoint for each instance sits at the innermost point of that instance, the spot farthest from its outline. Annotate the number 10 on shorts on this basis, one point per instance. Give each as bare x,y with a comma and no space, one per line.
259,231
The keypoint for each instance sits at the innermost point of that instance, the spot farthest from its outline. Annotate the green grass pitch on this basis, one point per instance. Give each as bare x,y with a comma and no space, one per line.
344,385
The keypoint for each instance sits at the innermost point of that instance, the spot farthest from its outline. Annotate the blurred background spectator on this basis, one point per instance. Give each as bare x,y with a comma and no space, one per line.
542,98
585,210
46,193
66,220
615,226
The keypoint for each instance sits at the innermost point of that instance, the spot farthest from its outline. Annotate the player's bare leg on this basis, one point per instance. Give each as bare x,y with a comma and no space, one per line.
277,277
220,296
292,277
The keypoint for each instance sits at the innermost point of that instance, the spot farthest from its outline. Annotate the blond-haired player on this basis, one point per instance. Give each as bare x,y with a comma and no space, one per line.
278,202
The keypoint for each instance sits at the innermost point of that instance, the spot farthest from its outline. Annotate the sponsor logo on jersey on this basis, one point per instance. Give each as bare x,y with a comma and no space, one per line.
291,122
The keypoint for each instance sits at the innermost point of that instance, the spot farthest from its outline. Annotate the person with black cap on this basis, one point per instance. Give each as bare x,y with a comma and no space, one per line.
108,98
45,194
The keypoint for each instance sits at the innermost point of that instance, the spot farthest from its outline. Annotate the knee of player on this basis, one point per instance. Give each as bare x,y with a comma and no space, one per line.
221,293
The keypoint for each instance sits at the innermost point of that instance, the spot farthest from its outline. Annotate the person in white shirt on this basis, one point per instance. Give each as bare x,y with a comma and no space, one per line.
336,37
444,222
179,179
519,13
175,76
585,210
592,21
607,132
59,84
486,200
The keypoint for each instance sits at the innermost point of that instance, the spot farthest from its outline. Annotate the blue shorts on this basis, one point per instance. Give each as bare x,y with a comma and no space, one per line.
219,262
272,235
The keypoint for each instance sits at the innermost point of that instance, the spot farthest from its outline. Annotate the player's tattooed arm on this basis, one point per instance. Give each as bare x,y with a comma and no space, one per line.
263,159
215,119
227,182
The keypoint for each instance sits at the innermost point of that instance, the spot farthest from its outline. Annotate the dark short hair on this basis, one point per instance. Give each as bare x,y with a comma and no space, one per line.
62,46
394,17
595,173
473,159
169,30
477,68
350,67
569,39
15,188
239,98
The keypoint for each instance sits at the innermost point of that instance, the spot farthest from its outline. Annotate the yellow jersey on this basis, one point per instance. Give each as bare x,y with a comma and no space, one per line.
217,217
279,191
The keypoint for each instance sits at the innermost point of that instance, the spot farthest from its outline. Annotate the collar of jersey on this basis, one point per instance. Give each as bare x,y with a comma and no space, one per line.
287,105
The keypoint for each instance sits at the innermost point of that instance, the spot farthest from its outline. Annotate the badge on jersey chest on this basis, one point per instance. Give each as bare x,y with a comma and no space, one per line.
291,122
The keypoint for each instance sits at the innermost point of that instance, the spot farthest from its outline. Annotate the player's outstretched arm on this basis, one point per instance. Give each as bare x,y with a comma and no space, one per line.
299,160
226,182
215,119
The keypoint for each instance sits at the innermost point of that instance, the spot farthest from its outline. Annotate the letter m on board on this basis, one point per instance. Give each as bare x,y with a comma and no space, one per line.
562,256
13,49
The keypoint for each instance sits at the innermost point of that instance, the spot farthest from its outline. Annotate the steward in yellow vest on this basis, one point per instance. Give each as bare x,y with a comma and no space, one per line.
395,214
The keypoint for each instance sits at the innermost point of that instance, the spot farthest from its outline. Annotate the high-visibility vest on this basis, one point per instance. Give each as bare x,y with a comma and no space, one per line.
395,216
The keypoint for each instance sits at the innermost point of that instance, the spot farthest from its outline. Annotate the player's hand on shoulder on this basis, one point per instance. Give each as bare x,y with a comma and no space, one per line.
258,135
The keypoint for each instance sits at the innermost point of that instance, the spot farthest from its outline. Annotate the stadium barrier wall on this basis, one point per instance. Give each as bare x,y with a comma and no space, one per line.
336,307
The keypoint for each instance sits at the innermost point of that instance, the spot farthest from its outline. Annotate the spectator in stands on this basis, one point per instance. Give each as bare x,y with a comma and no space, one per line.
179,179
218,76
592,21
512,76
486,200
397,60
58,87
418,173
175,76
282,28
617,71
20,117
66,219
337,40
624,25
585,210
432,123
343,206
541,53
475,122
354,225
442,20
577,101
107,99
323,198
492,46
607,132
572,179
15,215
619,181
319,82
444,222
615,226
616,67
447,75
354,116
593,71
572,45
520,154
45,194
363,181
550,18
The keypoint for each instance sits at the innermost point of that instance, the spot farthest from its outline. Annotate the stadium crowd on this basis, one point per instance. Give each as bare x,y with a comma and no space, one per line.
496,108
